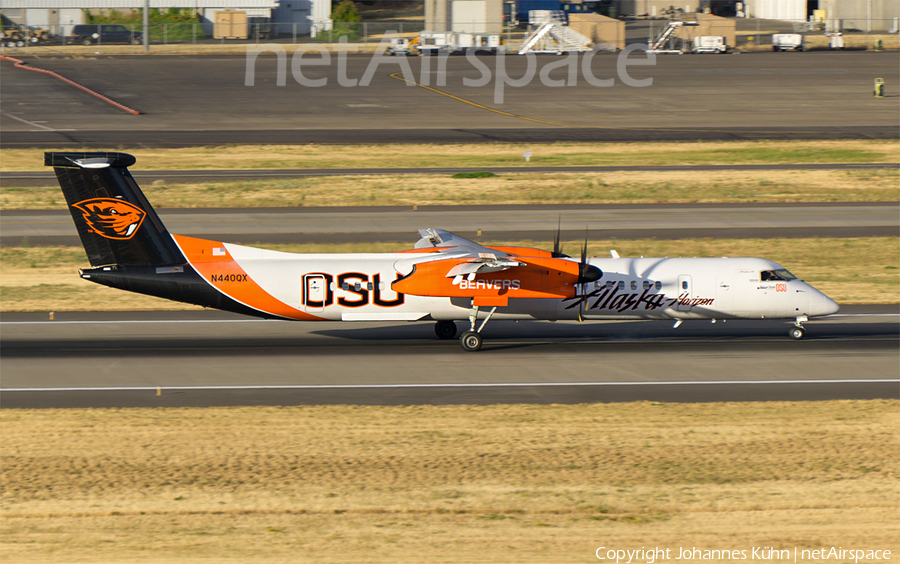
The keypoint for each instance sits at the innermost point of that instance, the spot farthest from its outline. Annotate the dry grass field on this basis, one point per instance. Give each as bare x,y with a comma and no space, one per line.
861,270
489,154
534,188
446,484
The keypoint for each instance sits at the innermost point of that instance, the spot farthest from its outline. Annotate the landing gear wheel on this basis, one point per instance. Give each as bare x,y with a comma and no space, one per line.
445,329
797,333
470,341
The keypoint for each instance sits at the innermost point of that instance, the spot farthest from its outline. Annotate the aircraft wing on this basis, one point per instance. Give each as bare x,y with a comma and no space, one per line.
451,270
473,257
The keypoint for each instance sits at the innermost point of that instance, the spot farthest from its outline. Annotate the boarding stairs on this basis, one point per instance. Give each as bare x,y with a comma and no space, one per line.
667,40
552,35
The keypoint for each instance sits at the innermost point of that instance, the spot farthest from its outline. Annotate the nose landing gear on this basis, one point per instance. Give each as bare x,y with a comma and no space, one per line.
797,331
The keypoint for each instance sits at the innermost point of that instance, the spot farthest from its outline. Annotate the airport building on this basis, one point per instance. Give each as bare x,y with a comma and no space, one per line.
791,10
303,17
466,16
61,15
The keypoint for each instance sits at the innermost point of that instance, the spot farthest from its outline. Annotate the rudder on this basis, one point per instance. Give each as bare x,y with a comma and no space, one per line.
116,223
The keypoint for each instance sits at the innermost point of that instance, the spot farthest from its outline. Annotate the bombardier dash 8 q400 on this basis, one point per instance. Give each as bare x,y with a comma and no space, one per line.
444,279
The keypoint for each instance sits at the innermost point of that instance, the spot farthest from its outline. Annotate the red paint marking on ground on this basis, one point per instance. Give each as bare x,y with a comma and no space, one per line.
23,65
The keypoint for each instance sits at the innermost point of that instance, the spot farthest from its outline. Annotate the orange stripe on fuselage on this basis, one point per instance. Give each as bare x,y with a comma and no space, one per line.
226,276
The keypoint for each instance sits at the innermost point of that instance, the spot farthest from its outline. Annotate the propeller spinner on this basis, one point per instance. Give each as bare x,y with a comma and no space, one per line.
587,272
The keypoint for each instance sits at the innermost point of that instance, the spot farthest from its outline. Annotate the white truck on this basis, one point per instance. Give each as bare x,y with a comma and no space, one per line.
710,44
788,42
452,42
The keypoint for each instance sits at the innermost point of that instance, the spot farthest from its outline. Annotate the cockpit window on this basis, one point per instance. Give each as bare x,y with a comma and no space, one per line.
780,275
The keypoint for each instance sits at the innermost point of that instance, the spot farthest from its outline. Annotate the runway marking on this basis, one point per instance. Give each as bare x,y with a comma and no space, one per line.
517,116
7,114
446,385
862,315
463,100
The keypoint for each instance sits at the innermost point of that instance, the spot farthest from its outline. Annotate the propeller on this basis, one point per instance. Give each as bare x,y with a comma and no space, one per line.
586,273
557,249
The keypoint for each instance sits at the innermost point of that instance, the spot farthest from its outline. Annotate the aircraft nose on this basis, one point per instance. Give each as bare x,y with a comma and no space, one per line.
823,305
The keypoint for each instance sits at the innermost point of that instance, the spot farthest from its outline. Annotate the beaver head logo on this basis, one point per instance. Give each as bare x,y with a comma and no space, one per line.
111,218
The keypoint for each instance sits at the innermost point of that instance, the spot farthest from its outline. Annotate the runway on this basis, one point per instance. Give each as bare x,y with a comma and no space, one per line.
206,100
212,358
487,223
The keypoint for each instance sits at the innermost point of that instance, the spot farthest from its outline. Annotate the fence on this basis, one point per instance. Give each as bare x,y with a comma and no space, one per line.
199,38
172,37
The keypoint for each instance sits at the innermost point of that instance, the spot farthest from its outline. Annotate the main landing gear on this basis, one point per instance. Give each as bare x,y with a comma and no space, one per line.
471,339
797,331
445,329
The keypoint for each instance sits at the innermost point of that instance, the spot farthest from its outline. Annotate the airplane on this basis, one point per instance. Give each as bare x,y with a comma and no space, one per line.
444,278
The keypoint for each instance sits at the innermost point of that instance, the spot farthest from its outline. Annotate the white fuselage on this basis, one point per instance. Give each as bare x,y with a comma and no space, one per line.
357,287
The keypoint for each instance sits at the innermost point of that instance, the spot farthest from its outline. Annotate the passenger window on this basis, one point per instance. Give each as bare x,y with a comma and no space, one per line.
658,285
621,284
646,285
633,285
684,285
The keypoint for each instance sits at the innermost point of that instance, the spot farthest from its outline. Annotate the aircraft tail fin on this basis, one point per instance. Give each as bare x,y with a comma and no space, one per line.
115,222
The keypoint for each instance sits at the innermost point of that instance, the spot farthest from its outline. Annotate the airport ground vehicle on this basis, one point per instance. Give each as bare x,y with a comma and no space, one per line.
788,42
710,44
452,42
399,47
17,35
